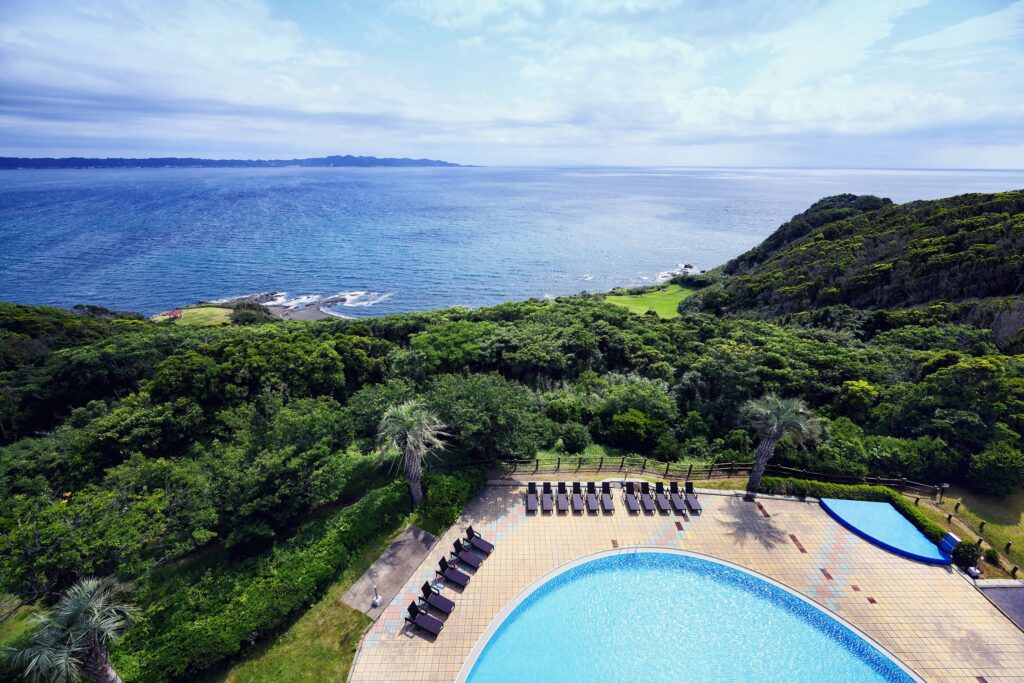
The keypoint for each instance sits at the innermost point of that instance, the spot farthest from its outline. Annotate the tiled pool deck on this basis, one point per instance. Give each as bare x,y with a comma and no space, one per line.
929,616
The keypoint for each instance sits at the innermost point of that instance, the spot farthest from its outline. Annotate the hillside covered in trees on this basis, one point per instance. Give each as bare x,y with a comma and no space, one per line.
869,253
229,471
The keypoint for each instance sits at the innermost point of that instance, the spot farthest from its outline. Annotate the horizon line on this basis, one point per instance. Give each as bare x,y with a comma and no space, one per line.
552,165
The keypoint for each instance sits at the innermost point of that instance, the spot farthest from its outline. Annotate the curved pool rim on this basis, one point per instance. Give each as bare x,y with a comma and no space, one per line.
942,560
499,619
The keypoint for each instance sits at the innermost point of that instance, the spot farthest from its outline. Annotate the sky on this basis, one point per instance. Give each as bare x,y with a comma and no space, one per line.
817,83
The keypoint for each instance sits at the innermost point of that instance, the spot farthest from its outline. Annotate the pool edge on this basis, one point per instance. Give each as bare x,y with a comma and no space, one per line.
506,610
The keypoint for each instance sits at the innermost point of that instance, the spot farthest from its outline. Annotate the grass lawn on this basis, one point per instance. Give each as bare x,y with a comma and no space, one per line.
14,629
664,301
321,644
200,315
1004,518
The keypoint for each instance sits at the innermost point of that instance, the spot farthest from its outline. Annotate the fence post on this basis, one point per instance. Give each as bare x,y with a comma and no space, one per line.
666,469
536,465
689,472
903,483
515,466
558,464
644,466
579,465
600,464
623,463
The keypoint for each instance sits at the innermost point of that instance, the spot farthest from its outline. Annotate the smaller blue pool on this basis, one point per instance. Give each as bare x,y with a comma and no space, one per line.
883,525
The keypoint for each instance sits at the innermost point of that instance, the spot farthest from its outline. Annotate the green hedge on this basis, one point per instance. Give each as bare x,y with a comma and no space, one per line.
202,623
819,489
447,495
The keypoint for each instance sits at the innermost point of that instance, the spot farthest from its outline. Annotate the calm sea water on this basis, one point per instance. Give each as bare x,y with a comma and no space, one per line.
403,239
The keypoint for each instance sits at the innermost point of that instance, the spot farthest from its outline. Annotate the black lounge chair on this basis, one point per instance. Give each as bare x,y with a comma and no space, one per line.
531,497
452,574
631,502
459,551
577,497
478,542
545,498
606,497
421,619
592,497
661,499
645,498
691,499
433,598
675,498
562,499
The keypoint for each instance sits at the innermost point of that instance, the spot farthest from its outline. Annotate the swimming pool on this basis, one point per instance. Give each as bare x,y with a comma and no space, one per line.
670,616
883,525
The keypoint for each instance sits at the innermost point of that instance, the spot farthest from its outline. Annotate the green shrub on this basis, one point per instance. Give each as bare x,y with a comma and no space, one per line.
575,438
998,470
819,489
966,554
246,313
192,625
447,494
992,556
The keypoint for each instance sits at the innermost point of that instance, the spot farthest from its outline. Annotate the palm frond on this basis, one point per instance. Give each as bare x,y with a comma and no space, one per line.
772,416
410,430
88,615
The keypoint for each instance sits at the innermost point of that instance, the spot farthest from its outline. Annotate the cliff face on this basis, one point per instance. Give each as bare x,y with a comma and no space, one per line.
869,253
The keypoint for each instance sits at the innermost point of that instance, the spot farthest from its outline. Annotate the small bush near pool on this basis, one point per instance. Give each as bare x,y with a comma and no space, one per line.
447,495
575,438
880,494
966,554
992,556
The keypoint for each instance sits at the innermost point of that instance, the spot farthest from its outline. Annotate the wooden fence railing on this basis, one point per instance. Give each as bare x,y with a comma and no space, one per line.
692,471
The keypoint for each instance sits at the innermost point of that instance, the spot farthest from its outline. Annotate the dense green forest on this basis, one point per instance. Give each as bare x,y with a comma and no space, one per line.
229,470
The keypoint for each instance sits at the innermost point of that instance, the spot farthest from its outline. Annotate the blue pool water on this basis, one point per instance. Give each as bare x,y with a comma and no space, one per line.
398,239
670,617
883,525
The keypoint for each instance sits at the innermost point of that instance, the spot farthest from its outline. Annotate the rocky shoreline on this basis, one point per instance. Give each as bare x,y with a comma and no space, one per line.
311,311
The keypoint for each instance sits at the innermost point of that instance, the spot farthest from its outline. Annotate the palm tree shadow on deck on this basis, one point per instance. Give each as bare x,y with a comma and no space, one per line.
745,523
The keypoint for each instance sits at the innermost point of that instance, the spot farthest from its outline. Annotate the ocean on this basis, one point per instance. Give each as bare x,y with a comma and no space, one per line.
375,241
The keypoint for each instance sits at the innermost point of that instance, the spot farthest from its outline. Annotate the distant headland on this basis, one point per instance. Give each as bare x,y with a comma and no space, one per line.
188,162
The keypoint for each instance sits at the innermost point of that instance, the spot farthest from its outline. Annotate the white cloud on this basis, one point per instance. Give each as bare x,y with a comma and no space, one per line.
1005,25
481,80
465,13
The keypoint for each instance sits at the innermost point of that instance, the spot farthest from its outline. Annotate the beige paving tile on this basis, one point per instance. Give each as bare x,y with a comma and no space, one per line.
929,616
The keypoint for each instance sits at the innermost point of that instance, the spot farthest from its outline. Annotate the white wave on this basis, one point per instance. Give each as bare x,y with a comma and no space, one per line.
680,269
358,297
586,278
298,302
284,300
247,297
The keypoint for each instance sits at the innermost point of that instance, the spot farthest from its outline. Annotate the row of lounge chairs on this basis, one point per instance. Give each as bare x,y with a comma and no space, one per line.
564,498
637,496
431,598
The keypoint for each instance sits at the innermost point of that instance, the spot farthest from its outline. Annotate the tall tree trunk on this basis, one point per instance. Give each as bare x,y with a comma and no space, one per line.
765,451
96,664
413,474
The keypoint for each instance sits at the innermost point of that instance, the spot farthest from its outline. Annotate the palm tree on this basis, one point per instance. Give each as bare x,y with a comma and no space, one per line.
71,641
773,418
412,430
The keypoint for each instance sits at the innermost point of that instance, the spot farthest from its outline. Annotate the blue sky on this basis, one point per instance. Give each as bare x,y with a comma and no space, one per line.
893,83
